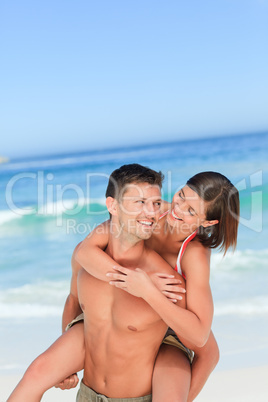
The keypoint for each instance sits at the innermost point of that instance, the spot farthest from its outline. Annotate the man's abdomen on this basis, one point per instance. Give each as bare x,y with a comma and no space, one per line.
121,365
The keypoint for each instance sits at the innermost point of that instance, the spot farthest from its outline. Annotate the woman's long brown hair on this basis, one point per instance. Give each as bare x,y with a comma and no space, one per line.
223,205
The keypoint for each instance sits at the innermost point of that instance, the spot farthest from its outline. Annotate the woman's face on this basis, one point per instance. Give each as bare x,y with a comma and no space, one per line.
188,211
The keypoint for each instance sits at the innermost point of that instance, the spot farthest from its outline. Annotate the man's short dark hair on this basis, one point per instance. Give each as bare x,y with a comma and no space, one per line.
132,173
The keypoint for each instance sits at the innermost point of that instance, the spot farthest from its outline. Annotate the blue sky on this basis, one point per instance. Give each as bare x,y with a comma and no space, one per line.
78,75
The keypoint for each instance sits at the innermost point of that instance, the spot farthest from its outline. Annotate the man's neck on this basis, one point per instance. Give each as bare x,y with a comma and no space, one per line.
124,251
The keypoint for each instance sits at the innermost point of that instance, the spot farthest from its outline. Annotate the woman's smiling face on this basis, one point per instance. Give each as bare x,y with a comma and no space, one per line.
188,210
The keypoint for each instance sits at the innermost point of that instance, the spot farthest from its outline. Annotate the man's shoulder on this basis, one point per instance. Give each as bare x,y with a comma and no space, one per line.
75,265
156,263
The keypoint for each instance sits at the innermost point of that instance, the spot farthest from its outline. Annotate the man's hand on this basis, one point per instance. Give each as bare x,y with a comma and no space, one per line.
69,382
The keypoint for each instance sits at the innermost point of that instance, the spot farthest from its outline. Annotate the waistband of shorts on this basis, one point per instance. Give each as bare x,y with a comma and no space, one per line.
95,397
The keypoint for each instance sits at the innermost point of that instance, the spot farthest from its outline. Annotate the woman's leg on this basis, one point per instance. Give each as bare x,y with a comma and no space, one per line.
205,360
172,375
63,358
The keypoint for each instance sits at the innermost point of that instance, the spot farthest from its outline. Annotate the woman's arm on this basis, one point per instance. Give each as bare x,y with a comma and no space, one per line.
90,253
194,323
91,256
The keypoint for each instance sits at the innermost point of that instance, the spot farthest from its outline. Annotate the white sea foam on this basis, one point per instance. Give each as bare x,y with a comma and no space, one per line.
47,298
51,209
26,310
241,259
60,207
252,306
9,215
23,309
34,300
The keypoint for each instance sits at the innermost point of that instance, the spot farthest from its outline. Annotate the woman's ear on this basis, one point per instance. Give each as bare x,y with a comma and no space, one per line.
111,205
206,224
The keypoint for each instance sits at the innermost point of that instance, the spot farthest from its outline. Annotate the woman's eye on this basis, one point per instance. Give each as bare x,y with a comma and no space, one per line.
191,213
180,195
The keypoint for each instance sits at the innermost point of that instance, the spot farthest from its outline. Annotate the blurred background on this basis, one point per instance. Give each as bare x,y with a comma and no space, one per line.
87,86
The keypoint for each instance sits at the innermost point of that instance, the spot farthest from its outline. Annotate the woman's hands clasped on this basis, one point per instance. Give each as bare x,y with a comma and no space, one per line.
169,286
138,283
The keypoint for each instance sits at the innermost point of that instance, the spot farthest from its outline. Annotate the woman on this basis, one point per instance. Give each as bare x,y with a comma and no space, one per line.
205,212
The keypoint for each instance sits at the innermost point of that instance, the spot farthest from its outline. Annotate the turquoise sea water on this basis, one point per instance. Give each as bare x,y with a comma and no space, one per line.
49,204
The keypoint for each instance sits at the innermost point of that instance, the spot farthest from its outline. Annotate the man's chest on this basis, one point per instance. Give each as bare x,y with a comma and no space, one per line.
106,305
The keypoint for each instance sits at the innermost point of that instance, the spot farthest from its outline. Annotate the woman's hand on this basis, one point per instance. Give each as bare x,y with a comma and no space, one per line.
139,283
168,285
136,282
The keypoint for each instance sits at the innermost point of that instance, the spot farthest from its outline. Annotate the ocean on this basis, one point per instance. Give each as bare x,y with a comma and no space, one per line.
49,204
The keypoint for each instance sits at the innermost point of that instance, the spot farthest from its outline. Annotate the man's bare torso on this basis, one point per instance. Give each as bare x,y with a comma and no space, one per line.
122,334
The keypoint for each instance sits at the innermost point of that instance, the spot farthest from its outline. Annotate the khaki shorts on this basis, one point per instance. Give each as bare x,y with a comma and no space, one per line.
79,318
169,339
86,394
172,339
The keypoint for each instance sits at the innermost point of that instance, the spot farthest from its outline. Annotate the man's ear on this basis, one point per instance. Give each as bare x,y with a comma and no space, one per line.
111,205
206,224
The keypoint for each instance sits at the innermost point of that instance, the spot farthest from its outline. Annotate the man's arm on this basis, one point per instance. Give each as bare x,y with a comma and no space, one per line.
71,310
72,307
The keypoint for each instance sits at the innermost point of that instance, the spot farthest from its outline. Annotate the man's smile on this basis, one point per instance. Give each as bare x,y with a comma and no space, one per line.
145,222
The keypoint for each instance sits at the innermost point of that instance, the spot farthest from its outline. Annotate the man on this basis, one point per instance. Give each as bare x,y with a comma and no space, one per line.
122,332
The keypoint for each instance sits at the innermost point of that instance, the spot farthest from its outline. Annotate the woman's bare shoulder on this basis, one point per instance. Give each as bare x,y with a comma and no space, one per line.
196,247
196,258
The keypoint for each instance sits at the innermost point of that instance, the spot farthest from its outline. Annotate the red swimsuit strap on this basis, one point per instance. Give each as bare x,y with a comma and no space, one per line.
181,252
164,214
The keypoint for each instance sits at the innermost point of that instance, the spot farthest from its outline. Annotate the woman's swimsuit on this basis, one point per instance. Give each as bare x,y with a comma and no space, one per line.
181,252
182,249
171,337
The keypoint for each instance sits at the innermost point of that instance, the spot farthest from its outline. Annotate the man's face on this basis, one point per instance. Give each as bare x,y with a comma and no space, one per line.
139,210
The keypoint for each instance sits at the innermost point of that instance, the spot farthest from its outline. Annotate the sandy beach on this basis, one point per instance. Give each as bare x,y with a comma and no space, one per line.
241,385
241,375
53,395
